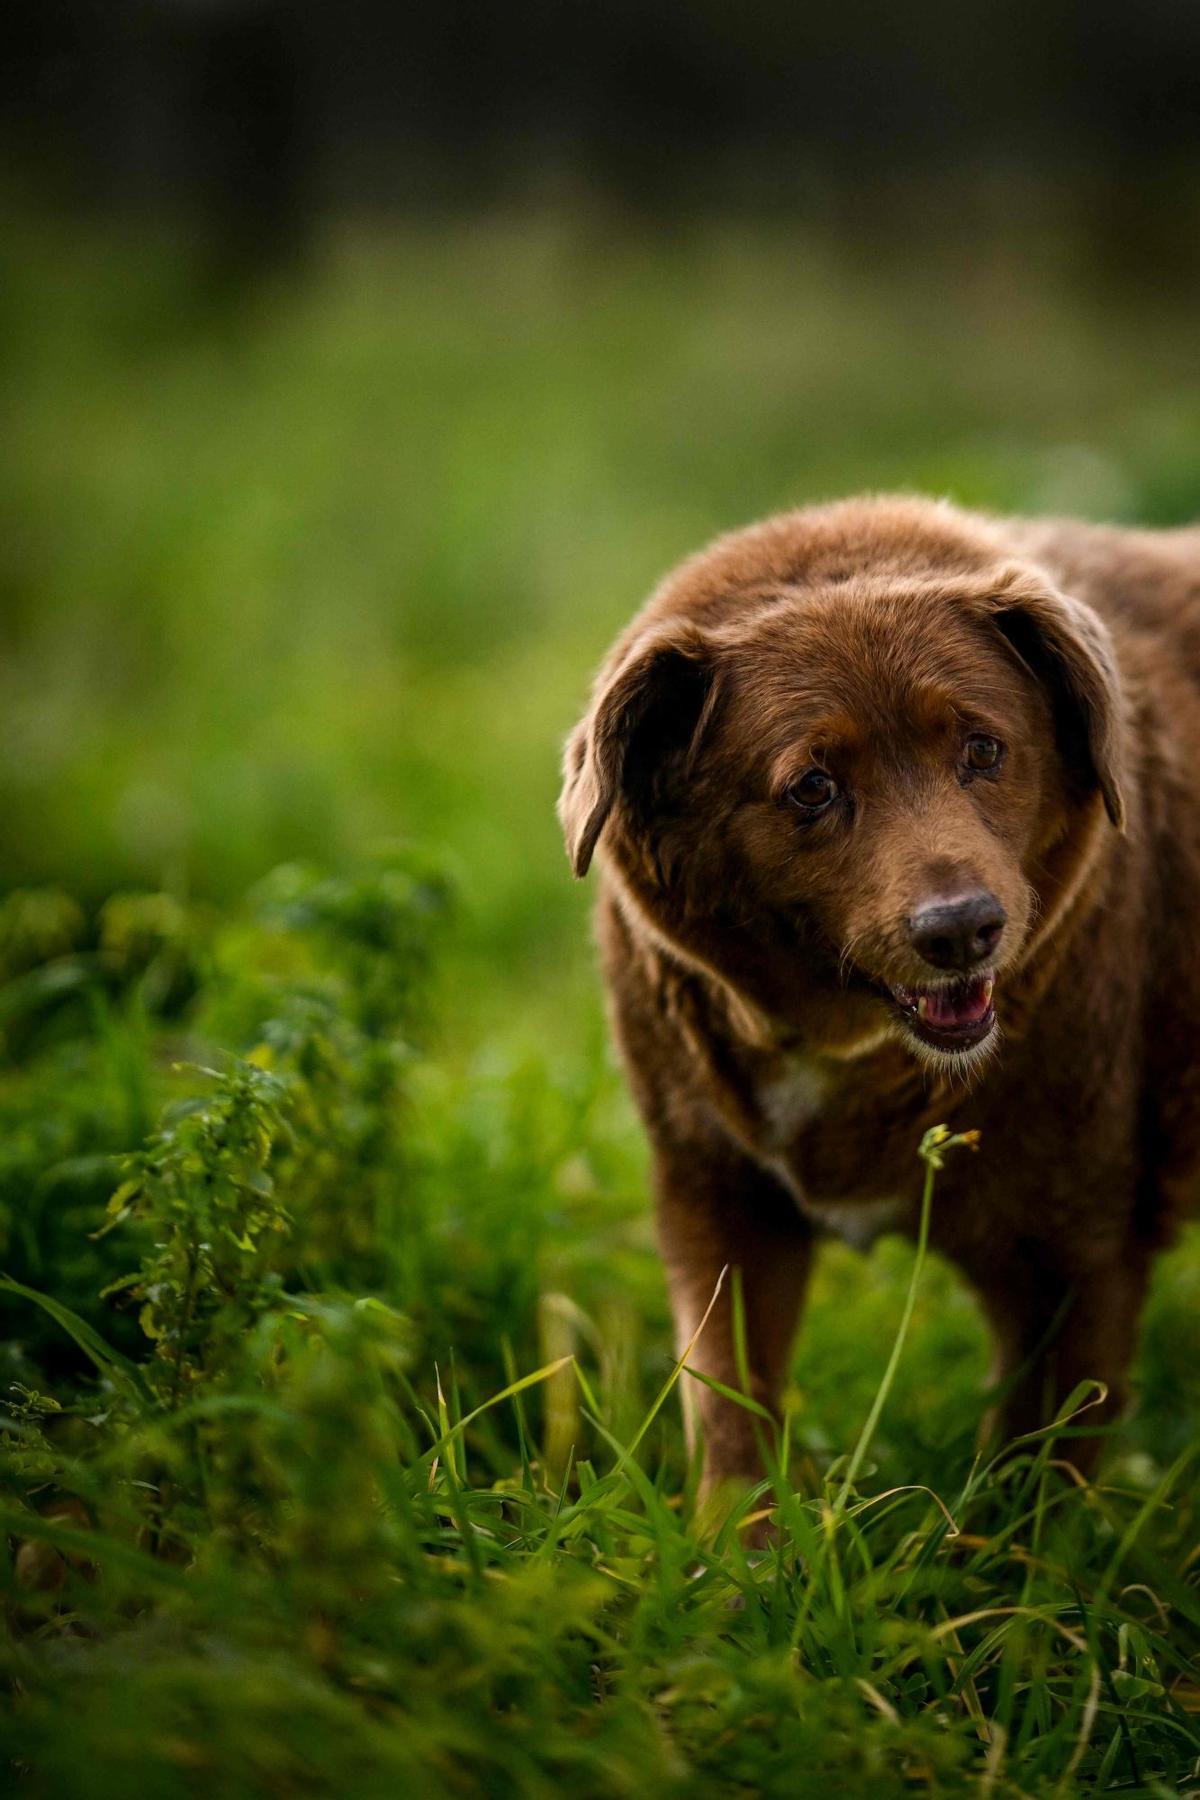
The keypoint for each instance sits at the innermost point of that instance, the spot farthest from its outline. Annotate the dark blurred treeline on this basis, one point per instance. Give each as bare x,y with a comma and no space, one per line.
256,117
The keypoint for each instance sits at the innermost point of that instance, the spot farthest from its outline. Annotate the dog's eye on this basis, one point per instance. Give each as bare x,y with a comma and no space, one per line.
981,752
814,791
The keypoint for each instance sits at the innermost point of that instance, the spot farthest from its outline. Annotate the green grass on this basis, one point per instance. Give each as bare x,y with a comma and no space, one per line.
294,582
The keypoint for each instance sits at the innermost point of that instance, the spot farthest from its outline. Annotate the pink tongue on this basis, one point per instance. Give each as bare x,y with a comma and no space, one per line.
963,1006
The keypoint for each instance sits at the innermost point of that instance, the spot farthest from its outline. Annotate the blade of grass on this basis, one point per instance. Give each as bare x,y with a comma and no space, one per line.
107,1360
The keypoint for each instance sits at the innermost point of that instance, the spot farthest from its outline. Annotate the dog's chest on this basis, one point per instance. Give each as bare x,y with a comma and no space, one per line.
790,1100
819,1136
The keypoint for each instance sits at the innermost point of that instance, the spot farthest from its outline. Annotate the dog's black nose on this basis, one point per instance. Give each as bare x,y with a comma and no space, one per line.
958,934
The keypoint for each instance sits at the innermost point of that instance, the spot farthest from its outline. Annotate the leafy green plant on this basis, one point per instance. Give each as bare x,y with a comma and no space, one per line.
205,1193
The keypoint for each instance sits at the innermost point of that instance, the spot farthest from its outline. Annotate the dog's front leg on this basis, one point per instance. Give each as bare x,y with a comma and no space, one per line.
717,1209
1055,1329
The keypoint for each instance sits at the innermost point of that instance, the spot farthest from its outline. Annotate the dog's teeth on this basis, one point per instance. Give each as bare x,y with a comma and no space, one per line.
922,1006
987,992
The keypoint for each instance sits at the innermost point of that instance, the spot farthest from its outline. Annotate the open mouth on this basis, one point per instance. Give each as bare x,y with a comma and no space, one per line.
957,1017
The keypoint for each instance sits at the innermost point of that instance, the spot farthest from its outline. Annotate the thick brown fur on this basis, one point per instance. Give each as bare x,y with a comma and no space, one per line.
750,950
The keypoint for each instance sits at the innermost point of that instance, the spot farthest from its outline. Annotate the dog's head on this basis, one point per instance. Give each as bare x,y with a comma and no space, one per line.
847,767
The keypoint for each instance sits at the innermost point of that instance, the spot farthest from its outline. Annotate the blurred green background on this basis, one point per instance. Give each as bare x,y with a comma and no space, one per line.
363,372
331,564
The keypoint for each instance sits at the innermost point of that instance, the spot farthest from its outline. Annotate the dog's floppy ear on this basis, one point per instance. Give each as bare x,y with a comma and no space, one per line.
1066,645
646,714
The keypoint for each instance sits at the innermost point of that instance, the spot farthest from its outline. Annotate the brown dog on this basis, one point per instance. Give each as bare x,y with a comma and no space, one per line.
899,827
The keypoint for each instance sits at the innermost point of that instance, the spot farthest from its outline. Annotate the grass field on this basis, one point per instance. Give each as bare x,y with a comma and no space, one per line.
341,1451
